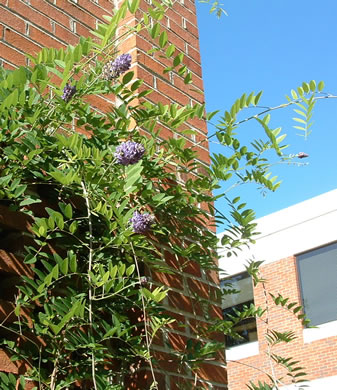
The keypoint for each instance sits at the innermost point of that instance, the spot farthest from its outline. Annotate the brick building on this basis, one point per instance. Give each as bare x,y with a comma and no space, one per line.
26,26
298,246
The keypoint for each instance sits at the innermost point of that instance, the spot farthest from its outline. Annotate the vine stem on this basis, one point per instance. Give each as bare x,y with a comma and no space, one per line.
265,111
90,295
54,373
28,339
272,368
254,367
284,105
147,338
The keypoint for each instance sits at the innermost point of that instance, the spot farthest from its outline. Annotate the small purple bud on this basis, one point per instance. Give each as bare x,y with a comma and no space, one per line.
114,69
129,152
302,155
141,223
143,281
68,92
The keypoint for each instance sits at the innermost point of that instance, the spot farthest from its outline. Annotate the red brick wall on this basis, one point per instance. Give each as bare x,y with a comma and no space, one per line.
315,357
27,26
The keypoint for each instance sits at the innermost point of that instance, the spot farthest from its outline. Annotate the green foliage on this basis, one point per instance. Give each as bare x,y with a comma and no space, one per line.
216,7
196,352
293,307
253,270
227,326
11,382
295,372
242,233
260,386
305,99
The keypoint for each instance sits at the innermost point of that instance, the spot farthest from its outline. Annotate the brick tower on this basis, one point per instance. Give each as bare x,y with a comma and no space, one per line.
26,26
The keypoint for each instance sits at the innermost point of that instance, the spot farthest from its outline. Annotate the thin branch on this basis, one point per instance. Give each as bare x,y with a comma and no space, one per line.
147,337
90,295
272,368
265,111
54,373
284,105
101,297
254,367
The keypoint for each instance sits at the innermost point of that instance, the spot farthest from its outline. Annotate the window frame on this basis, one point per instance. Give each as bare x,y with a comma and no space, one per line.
300,281
242,275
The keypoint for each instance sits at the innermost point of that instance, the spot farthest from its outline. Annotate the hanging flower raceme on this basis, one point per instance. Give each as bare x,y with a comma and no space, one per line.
114,69
129,152
141,223
68,92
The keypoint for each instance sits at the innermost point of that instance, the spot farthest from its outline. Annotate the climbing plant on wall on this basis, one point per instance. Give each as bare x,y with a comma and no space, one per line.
99,196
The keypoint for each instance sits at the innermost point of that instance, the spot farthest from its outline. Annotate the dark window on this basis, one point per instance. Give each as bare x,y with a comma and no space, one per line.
318,277
239,294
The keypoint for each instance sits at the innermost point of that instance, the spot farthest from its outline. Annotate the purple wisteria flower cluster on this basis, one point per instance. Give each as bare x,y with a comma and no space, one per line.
129,152
141,223
68,92
114,69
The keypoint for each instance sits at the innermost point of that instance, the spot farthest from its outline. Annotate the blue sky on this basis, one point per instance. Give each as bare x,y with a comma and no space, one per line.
275,45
